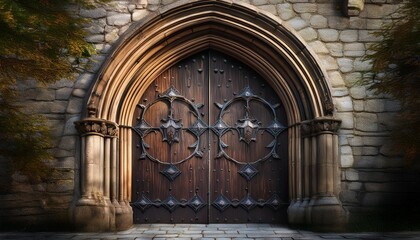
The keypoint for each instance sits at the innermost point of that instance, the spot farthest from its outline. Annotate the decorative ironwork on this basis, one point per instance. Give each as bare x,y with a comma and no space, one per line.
143,203
221,203
170,203
171,127
196,203
248,203
248,172
170,130
247,127
171,172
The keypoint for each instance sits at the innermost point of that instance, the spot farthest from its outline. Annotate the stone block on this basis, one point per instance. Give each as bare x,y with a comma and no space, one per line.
318,21
327,9
379,10
352,175
93,13
346,161
343,104
358,105
357,23
346,150
335,79
259,2
374,24
75,105
269,8
366,121
68,143
374,105
309,34
338,22
111,37
354,49
349,36
328,62
84,81
69,128
373,141
346,118
368,36
360,65
58,107
285,11
367,162
79,92
336,49
297,23
351,78
318,47
60,186
345,64
354,185
339,92
118,19
347,196
95,29
139,14
63,93
358,92
96,38
305,7
328,35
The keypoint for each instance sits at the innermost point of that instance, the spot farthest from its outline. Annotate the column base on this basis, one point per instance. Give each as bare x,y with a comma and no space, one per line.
123,216
327,214
92,216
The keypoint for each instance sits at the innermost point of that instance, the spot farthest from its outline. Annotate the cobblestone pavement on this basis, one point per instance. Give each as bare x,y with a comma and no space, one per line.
207,232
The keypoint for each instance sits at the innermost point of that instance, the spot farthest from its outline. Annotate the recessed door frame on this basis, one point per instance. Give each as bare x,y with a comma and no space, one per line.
175,32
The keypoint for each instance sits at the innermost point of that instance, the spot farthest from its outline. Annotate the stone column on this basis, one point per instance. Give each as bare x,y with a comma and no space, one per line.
324,210
93,210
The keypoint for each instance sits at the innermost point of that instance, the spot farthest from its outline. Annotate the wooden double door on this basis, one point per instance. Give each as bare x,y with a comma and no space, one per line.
210,145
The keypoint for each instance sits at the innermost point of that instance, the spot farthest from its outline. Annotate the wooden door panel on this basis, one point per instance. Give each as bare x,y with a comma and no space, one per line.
211,146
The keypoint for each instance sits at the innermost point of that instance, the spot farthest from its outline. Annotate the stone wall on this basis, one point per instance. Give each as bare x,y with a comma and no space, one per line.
372,172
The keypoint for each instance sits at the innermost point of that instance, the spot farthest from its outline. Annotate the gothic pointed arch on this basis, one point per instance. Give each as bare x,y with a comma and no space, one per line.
171,34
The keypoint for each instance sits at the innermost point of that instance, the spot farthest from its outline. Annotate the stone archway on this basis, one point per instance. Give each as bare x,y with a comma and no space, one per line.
161,40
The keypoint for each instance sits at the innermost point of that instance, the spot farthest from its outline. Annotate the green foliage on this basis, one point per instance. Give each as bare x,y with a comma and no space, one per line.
396,71
39,39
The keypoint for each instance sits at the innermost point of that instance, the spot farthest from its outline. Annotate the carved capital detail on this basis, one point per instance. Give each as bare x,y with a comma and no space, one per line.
320,125
97,126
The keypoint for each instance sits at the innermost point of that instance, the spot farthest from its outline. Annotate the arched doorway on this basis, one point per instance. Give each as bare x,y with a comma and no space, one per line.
211,146
177,32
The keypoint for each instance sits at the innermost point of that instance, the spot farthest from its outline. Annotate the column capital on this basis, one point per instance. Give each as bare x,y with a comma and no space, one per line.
320,125
88,126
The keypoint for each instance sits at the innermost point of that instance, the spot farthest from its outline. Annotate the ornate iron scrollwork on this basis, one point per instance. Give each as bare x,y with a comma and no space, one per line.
247,127
170,128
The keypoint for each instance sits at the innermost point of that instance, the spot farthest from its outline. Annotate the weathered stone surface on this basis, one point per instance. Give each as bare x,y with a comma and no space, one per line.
352,175
349,35
358,92
63,93
75,105
139,14
360,65
318,47
84,81
259,2
367,162
351,78
335,79
58,107
339,92
348,196
358,105
318,21
269,8
346,119
374,105
61,186
308,34
70,128
305,7
366,121
118,19
297,23
328,35
285,11
328,62
392,106
336,49
93,13
345,64
97,38
346,161
354,50
68,142
344,104
367,36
